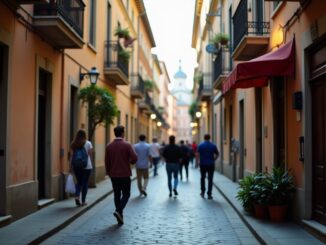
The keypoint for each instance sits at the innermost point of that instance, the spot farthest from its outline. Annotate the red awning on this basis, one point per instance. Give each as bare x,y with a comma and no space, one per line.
255,72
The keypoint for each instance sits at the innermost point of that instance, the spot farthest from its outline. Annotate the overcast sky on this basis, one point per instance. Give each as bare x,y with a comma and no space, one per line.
171,22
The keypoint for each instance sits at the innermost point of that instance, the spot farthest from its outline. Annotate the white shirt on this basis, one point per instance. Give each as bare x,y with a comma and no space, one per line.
155,150
88,146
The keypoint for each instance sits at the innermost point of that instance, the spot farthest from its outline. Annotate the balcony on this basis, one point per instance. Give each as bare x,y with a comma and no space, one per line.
205,89
137,89
221,67
116,69
251,38
61,23
146,104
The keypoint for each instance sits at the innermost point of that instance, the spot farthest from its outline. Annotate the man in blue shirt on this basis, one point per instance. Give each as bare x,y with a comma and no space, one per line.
207,153
144,161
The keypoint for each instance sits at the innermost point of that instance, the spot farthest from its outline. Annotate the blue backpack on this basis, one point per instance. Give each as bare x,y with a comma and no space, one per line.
79,158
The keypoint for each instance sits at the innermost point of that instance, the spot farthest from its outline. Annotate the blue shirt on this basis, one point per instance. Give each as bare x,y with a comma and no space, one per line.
206,151
143,152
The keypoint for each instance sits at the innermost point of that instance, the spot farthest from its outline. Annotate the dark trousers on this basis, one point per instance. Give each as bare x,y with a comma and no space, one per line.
155,163
121,190
82,176
210,171
185,164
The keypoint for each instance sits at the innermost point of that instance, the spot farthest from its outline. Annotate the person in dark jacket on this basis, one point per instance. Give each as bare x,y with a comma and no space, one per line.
185,157
118,156
172,156
207,153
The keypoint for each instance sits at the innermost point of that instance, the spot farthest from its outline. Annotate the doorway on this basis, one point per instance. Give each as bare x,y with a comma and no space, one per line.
318,127
241,139
44,134
3,125
259,126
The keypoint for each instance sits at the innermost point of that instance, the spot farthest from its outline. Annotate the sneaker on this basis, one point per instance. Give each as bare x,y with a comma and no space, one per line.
84,204
144,193
175,192
210,197
118,217
202,195
170,195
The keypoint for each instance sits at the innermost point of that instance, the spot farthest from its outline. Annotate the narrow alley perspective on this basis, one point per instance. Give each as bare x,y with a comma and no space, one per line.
159,219
94,93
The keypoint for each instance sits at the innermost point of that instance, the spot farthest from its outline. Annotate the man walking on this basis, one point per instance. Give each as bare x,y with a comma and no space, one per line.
155,154
172,156
118,156
207,153
143,152
185,156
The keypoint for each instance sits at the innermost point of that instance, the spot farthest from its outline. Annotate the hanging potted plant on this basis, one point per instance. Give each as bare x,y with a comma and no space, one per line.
122,32
124,55
281,193
220,39
149,85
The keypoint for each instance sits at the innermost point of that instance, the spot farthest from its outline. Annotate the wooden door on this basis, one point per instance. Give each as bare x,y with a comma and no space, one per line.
318,89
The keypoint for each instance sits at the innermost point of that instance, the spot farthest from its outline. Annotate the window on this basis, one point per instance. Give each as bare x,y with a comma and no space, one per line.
119,118
127,127
92,23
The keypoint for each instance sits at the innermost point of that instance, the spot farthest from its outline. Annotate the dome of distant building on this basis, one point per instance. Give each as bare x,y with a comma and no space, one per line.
180,74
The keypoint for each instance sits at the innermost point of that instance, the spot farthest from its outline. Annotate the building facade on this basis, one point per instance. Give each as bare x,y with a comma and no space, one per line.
268,85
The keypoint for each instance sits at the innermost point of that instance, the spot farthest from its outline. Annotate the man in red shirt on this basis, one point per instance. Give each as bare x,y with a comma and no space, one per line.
118,156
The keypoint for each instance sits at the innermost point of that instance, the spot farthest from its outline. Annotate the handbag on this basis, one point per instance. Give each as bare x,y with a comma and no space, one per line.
70,184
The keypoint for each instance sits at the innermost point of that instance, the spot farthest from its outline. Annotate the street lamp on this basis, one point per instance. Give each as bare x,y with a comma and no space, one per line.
153,116
159,124
93,75
198,114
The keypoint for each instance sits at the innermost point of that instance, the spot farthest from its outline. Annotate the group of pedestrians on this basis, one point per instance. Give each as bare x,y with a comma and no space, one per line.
119,154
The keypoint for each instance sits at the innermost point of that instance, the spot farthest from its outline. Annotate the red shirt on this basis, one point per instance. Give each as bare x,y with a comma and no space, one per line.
118,156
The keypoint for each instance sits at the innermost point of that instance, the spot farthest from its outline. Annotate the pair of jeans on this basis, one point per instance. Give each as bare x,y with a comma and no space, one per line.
155,163
82,176
172,168
121,190
185,163
210,171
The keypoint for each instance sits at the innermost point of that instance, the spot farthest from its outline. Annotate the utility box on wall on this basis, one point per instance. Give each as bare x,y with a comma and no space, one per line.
297,101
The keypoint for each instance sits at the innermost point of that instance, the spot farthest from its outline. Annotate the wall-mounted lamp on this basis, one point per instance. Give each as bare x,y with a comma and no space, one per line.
93,75
159,124
153,116
198,114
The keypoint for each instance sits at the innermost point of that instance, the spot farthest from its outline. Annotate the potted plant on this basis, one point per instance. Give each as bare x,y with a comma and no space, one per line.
260,194
281,193
149,85
122,32
124,55
220,39
244,195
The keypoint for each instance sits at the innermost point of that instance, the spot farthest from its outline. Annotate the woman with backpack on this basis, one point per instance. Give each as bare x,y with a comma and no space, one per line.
81,150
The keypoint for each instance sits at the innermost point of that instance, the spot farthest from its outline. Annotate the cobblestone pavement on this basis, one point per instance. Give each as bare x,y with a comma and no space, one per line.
158,219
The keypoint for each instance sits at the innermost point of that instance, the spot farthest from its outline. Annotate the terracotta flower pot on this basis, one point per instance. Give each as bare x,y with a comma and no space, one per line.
261,211
277,213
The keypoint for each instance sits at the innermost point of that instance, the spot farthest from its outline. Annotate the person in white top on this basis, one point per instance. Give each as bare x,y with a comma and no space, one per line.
155,154
82,175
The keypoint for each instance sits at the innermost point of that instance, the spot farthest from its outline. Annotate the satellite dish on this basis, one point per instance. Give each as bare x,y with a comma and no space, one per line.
211,48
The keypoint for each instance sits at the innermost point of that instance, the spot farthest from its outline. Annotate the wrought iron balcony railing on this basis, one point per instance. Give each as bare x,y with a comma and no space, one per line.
221,63
205,89
72,11
112,58
137,85
242,27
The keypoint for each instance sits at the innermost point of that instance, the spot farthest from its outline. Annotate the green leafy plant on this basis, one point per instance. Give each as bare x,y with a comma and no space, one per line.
122,32
260,191
192,109
124,55
244,195
282,187
220,38
149,85
102,108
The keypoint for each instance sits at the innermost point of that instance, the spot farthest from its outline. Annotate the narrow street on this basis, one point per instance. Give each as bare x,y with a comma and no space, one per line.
158,219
